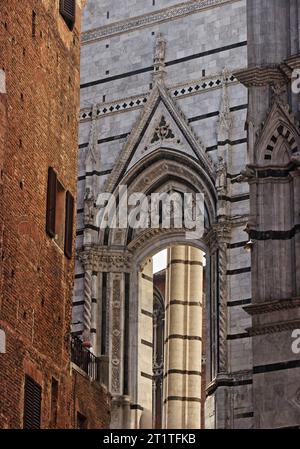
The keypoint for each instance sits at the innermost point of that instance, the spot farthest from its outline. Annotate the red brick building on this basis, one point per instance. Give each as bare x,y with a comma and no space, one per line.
39,101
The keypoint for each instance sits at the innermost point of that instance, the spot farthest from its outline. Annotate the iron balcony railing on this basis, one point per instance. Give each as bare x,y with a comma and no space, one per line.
84,359
95,367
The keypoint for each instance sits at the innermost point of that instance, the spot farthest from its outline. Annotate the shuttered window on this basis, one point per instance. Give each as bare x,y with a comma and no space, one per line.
69,225
67,9
51,202
32,404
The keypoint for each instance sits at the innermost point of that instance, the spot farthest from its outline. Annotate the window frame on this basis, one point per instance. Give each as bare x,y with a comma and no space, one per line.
68,17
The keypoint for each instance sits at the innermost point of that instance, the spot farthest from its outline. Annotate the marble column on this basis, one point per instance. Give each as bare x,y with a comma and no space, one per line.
145,347
183,343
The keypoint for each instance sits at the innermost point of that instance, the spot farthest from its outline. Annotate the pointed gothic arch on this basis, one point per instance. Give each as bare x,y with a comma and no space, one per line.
280,132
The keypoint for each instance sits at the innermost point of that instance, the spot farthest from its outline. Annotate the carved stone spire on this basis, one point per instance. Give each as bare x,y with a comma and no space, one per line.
92,163
225,120
159,59
91,151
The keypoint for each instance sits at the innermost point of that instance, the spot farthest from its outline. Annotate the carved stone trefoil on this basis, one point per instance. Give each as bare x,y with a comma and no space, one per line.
162,132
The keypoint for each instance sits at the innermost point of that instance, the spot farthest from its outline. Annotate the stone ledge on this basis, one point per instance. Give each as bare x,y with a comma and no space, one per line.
273,306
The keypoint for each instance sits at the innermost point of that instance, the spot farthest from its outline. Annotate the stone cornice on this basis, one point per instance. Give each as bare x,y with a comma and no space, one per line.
260,76
273,328
273,306
134,23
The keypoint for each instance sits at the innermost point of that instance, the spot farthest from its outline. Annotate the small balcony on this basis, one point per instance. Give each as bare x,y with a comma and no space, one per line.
95,367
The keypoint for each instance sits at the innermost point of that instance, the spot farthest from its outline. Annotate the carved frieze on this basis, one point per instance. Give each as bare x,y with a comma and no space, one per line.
116,336
190,7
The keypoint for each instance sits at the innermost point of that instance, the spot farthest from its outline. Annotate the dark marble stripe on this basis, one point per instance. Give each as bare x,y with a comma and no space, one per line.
241,302
147,376
147,278
147,343
176,302
230,142
275,235
183,372
94,173
238,271
270,368
183,337
136,407
146,313
231,383
236,245
237,336
234,199
181,398
185,262
168,63
106,139
244,415
78,303
216,113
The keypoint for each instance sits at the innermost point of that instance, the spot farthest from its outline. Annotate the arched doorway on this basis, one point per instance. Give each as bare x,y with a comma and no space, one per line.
130,337
170,360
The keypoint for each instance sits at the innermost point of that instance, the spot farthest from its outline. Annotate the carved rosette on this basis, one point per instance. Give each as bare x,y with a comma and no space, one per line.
116,337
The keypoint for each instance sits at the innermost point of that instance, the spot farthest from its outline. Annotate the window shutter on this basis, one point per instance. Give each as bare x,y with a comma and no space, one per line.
32,404
51,202
69,225
67,9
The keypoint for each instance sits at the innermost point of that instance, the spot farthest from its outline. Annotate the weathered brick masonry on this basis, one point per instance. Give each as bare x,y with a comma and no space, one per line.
40,58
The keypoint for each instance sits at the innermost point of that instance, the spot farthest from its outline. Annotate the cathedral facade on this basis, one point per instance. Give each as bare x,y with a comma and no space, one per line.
191,98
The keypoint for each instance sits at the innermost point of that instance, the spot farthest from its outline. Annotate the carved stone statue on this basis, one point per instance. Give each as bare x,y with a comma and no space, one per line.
279,93
89,207
221,181
160,49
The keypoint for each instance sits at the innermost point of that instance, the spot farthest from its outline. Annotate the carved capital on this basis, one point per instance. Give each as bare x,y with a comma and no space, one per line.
101,259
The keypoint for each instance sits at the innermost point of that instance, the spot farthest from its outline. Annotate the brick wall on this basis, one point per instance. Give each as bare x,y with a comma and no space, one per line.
41,64
88,399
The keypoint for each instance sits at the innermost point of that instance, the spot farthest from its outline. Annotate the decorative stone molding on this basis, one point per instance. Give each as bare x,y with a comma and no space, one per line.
229,380
116,337
223,298
132,24
138,101
219,232
273,328
159,94
87,308
101,259
278,116
217,239
258,76
273,306
162,132
146,235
